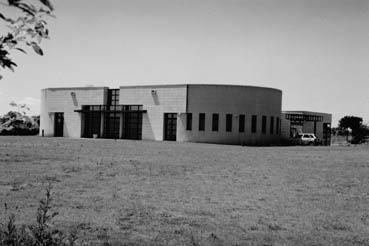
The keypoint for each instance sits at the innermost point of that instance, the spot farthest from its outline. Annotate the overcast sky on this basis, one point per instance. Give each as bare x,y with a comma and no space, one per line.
315,51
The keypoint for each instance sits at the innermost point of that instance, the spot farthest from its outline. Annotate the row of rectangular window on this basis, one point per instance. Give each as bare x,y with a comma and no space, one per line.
241,125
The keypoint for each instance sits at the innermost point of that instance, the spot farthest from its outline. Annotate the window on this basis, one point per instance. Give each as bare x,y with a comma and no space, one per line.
189,122
253,123
201,122
241,125
113,96
215,123
277,126
229,122
271,125
264,124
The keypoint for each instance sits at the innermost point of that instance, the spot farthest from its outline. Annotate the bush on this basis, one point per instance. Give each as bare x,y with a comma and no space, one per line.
40,234
14,123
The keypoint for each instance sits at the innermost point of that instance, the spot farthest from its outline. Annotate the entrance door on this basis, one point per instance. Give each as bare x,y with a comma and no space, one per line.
170,126
111,125
132,125
92,124
58,124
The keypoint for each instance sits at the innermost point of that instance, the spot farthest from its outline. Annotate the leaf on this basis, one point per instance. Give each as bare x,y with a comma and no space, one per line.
30,31
37,48
21,50
6,19
7,63
29,9
8,38
47,4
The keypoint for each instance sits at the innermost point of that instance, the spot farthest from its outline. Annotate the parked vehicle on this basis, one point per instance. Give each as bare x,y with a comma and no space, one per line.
308,139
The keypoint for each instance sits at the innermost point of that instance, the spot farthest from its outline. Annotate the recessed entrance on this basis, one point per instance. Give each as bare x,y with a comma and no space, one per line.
111,124
132,125
58,124
170,126
92,122
114,121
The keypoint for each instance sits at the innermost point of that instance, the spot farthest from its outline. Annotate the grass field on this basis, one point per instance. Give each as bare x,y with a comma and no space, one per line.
164,193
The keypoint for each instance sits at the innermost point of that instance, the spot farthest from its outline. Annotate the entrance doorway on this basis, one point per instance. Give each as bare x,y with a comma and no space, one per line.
92,123
58,125
132,125
170,126
111,125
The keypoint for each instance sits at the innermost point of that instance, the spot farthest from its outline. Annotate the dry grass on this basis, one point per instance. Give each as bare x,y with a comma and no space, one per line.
164,193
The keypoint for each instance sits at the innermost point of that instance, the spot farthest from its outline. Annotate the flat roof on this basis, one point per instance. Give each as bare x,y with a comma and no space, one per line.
77,88
160,86
302,112
194,85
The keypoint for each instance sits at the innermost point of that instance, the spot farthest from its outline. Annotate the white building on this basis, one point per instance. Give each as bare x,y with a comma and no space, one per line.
226,114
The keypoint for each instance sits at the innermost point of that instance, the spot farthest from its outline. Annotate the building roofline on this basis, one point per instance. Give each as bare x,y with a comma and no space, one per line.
156,85
303,112
76,88
194,85
160,86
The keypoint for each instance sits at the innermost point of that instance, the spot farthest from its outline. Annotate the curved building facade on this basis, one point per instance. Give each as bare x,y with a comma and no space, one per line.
225,114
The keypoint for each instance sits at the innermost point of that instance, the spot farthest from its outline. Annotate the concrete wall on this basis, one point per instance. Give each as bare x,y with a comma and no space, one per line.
157,100
235,100
180,99
67,100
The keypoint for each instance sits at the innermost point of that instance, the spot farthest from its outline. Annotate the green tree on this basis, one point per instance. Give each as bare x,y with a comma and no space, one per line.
27,27
17,122
358,130
352,122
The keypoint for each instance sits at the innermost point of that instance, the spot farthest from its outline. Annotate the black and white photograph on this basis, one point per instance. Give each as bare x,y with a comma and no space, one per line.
184,122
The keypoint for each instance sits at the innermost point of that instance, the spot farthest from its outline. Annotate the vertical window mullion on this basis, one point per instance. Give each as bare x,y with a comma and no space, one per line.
271,125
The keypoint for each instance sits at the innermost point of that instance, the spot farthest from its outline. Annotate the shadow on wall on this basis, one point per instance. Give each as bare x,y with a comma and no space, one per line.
155,97
149,133
74,98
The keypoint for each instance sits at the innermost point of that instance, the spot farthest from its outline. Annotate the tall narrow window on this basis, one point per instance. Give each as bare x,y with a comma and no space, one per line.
215,123
264,124
189,122
271,125
277,126
201,122
253,123
241,125
229,122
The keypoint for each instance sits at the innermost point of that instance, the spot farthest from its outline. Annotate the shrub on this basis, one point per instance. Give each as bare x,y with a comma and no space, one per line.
14,123
40,234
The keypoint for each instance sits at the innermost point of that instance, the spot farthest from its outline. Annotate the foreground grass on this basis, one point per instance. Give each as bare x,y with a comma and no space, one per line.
163,193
